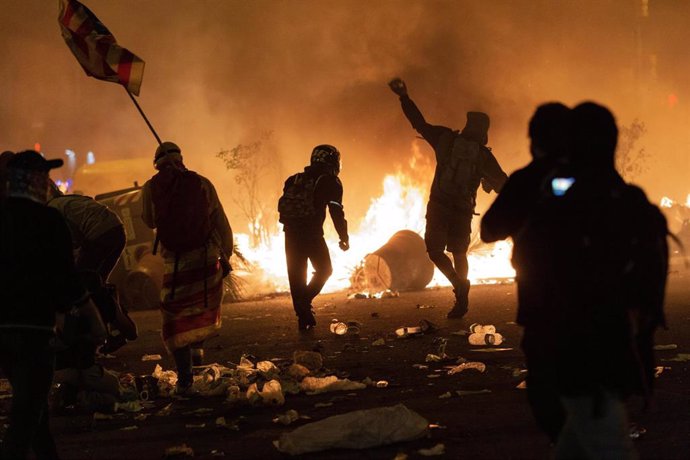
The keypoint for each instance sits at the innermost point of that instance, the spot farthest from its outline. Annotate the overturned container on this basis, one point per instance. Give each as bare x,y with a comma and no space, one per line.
400,264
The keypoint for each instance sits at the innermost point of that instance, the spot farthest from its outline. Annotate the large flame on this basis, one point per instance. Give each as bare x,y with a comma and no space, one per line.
401,206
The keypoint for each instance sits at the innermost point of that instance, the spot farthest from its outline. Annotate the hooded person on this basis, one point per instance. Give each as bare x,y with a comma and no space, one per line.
37,281
463,162
302,209
195,240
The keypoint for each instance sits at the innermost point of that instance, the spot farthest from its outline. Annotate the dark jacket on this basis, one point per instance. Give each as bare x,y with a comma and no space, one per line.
328,193
37,275
441,139
601,254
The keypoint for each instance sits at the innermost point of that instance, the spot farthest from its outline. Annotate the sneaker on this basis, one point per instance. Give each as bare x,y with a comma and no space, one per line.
457,312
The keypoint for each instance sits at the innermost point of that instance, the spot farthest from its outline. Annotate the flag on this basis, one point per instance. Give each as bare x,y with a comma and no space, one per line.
96,49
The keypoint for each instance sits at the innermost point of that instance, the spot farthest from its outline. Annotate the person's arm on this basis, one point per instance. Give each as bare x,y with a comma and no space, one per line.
431,133
330,190
219,221
147,214
493,177
502,219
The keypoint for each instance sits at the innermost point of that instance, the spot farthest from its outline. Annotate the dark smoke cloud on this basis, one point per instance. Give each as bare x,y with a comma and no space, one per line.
221,72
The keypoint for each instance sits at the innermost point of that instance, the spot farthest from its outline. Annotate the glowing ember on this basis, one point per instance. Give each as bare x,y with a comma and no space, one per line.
401,206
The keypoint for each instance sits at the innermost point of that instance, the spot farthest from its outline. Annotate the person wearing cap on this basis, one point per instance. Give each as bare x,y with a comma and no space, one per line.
302,209
37,280
196,243
463,162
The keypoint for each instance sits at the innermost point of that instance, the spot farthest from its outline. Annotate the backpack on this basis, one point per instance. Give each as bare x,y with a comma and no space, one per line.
458,174
297,201
181,206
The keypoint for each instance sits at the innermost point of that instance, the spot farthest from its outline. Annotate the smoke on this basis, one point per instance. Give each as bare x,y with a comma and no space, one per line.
219,73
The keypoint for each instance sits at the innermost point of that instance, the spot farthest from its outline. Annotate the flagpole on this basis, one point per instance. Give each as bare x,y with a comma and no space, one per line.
136,104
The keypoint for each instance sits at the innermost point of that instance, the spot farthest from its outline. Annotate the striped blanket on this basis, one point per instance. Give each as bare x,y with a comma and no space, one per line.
191,312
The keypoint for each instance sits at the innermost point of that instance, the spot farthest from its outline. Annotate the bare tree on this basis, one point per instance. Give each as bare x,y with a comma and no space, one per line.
630,160
257,171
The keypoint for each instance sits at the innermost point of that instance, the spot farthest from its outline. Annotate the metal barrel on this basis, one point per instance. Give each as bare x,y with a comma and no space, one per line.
401,264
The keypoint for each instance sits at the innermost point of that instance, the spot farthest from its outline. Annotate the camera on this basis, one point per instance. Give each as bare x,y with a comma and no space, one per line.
560,185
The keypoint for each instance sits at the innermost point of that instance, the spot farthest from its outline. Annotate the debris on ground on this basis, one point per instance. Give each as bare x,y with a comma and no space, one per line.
312,360
151,358
481,367
682,357
379,342
286,418
472,392
670,346
360,429
438,449
182,451
315,385
522,385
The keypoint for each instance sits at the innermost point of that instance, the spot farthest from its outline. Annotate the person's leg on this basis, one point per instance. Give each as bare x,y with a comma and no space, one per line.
183,363
459,231
436,238
197,349
28,361
595,427
542,393
323,269
296,258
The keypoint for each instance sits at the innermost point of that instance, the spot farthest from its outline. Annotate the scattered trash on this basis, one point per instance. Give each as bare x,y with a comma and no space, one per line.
482,329
436,426
320,405
286,418
129,428
472,392
420,366
433,376
438,449
671,346
404,332
165,411
341,328
128,406
195,425
271,394
431,358
315,385
682,357
461,332
179,451
147,387
309,359
297,371
141,417
102,416
428,326
490,350
267,367
151,358
441,343
378,342
481,367
445,395
659,370
358,295
166,381
360,429
522,385
424,306
480,338
382,384
636,431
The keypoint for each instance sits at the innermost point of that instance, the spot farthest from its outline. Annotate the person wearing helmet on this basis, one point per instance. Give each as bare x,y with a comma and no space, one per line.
463,162
302,209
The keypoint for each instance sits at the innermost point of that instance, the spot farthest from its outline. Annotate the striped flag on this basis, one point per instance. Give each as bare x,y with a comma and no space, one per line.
96,49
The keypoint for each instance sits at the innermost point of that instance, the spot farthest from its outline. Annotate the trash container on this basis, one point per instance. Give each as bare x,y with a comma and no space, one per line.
401,264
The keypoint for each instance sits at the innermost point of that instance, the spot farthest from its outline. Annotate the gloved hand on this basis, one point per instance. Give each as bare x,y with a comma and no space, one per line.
398,87
344,245
225,266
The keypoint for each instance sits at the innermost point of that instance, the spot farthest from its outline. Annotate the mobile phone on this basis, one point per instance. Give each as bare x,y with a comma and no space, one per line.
560,185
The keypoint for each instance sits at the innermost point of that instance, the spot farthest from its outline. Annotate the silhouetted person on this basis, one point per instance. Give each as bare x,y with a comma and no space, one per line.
37,280
604,253
98,238
4,158
462,162
549,133
302,209
196,242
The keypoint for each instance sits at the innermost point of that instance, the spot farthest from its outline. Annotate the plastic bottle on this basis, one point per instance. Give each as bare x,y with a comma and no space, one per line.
408,331
485,339
482,329
338,327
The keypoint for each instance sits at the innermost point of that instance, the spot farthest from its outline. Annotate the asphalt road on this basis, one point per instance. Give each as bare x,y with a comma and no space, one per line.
496,423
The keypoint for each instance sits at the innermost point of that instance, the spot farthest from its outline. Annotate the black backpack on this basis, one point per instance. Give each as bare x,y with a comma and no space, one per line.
458,173
297,201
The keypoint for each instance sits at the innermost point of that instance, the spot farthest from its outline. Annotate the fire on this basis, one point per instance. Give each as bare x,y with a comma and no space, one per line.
402,205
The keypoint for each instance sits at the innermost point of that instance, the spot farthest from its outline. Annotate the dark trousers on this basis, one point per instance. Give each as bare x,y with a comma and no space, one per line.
27,358
299,250
538,345
101,254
